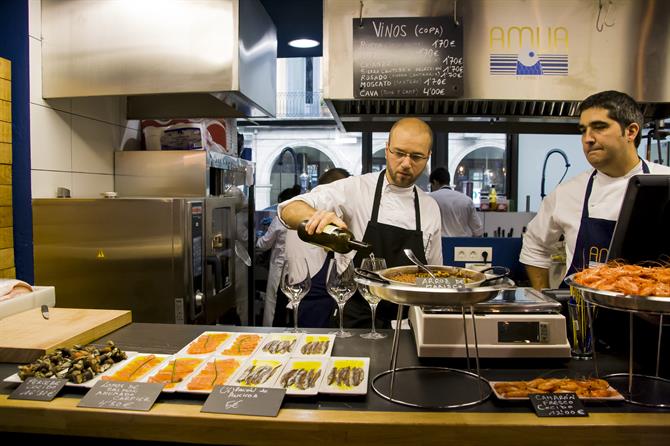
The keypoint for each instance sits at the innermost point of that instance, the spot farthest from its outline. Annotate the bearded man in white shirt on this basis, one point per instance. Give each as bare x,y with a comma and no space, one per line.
585,208
384,209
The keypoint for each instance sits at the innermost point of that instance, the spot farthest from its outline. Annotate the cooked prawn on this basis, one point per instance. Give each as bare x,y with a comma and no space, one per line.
628,279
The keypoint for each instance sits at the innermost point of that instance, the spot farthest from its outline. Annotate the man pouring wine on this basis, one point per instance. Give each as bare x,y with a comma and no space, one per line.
384,209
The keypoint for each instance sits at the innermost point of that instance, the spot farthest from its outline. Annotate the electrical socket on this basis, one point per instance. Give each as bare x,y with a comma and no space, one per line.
472,254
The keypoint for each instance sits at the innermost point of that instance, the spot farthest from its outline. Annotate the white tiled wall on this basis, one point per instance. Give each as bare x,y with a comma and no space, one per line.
72,141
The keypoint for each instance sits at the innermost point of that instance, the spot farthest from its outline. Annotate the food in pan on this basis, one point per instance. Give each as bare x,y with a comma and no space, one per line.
259,372
77,364
589,388
175,371
244,345
347,376
303,375
411,277
632,280
315,347
213,374
136,368
207,343
279,346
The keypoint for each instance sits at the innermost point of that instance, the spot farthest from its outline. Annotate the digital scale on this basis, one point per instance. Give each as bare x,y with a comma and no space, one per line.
517,323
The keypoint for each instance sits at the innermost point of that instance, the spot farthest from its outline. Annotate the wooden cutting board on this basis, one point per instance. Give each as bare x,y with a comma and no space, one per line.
26,336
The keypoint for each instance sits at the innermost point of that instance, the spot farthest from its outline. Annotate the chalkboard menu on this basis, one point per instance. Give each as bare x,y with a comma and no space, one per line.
408,57
38,389
121,395
258,401
557,405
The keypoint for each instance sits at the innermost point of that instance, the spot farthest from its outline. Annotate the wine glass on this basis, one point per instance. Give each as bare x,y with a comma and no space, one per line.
371,264
341,286
295,283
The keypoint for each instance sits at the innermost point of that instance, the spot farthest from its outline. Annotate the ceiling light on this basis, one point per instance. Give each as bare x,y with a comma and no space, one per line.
303,43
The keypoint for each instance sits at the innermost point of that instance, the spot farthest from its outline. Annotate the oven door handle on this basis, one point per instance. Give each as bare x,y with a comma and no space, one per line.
217,268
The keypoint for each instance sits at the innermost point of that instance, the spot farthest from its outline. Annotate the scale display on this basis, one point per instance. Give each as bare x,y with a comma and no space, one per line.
522,332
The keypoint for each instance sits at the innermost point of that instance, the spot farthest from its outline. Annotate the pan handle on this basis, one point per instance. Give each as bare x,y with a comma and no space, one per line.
371,275
500,272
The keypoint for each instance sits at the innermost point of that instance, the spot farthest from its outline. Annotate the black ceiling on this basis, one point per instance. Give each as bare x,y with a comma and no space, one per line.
296,19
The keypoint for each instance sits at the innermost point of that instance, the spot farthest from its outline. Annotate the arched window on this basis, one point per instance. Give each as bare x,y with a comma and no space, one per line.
298,165
479,170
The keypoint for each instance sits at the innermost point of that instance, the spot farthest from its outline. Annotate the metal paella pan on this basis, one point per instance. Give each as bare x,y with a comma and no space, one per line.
382,284
620,301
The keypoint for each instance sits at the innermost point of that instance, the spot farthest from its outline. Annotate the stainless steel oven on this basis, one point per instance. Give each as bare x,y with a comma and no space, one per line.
169,260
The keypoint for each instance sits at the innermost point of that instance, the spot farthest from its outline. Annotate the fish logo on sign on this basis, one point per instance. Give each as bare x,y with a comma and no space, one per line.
526,53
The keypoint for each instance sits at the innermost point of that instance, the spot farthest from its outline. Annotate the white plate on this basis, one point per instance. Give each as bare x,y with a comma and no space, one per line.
311,364
183,386
87,384
279,344
340,363
168,366
231,349
119,366
616,397
214,347
326,340
275,364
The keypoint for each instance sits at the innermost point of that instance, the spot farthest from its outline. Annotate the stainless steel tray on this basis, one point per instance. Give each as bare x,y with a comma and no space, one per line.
414,295
620,301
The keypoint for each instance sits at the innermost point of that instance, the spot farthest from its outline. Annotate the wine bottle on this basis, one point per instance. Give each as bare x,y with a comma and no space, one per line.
333,239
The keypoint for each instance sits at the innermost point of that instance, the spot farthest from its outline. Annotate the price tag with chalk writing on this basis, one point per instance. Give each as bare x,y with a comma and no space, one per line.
557,405
121,395
38,389
259,401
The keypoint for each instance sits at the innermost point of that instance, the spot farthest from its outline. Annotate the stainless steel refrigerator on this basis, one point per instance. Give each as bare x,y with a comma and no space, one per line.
169,260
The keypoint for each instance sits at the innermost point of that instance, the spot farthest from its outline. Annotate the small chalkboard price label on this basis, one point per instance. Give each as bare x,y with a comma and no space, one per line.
557,405
259,401
440,282
38,389
408,57
121,395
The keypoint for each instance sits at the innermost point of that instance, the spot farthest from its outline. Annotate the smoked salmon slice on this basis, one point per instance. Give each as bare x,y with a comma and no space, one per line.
207,343
135,369
213,374
175,371
244,345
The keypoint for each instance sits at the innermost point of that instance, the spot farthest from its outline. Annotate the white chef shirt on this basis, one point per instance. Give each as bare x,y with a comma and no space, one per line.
459,217
353,197
275,239
560,212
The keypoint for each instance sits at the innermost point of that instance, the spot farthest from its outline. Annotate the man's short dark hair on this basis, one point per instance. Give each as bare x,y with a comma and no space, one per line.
334,174
289,193
620,108
440,175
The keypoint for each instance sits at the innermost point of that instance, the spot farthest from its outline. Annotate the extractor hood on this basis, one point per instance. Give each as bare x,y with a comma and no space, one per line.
171,58
623,45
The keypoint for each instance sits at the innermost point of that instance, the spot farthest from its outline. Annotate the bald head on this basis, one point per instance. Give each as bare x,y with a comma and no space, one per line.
414,126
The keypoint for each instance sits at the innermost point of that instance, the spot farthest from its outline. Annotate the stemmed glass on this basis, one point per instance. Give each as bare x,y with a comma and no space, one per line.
371,264
295,283
341,286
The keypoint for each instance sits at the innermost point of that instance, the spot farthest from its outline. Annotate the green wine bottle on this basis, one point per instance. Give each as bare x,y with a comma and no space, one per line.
333,239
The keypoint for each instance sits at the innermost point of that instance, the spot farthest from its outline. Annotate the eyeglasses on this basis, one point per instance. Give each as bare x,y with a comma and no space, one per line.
414,157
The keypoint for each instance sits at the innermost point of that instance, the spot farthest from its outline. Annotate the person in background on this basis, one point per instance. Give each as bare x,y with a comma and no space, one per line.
585,208
275,239
459,217
317,307
383,208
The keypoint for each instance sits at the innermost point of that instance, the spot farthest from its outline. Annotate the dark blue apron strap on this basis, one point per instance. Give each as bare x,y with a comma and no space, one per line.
645,167
587,195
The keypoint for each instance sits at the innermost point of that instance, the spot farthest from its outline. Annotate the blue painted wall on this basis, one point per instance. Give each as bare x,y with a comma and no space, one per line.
14,46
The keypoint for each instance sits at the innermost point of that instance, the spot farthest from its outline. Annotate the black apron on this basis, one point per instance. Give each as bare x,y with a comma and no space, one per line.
591,249
317,307
388,243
